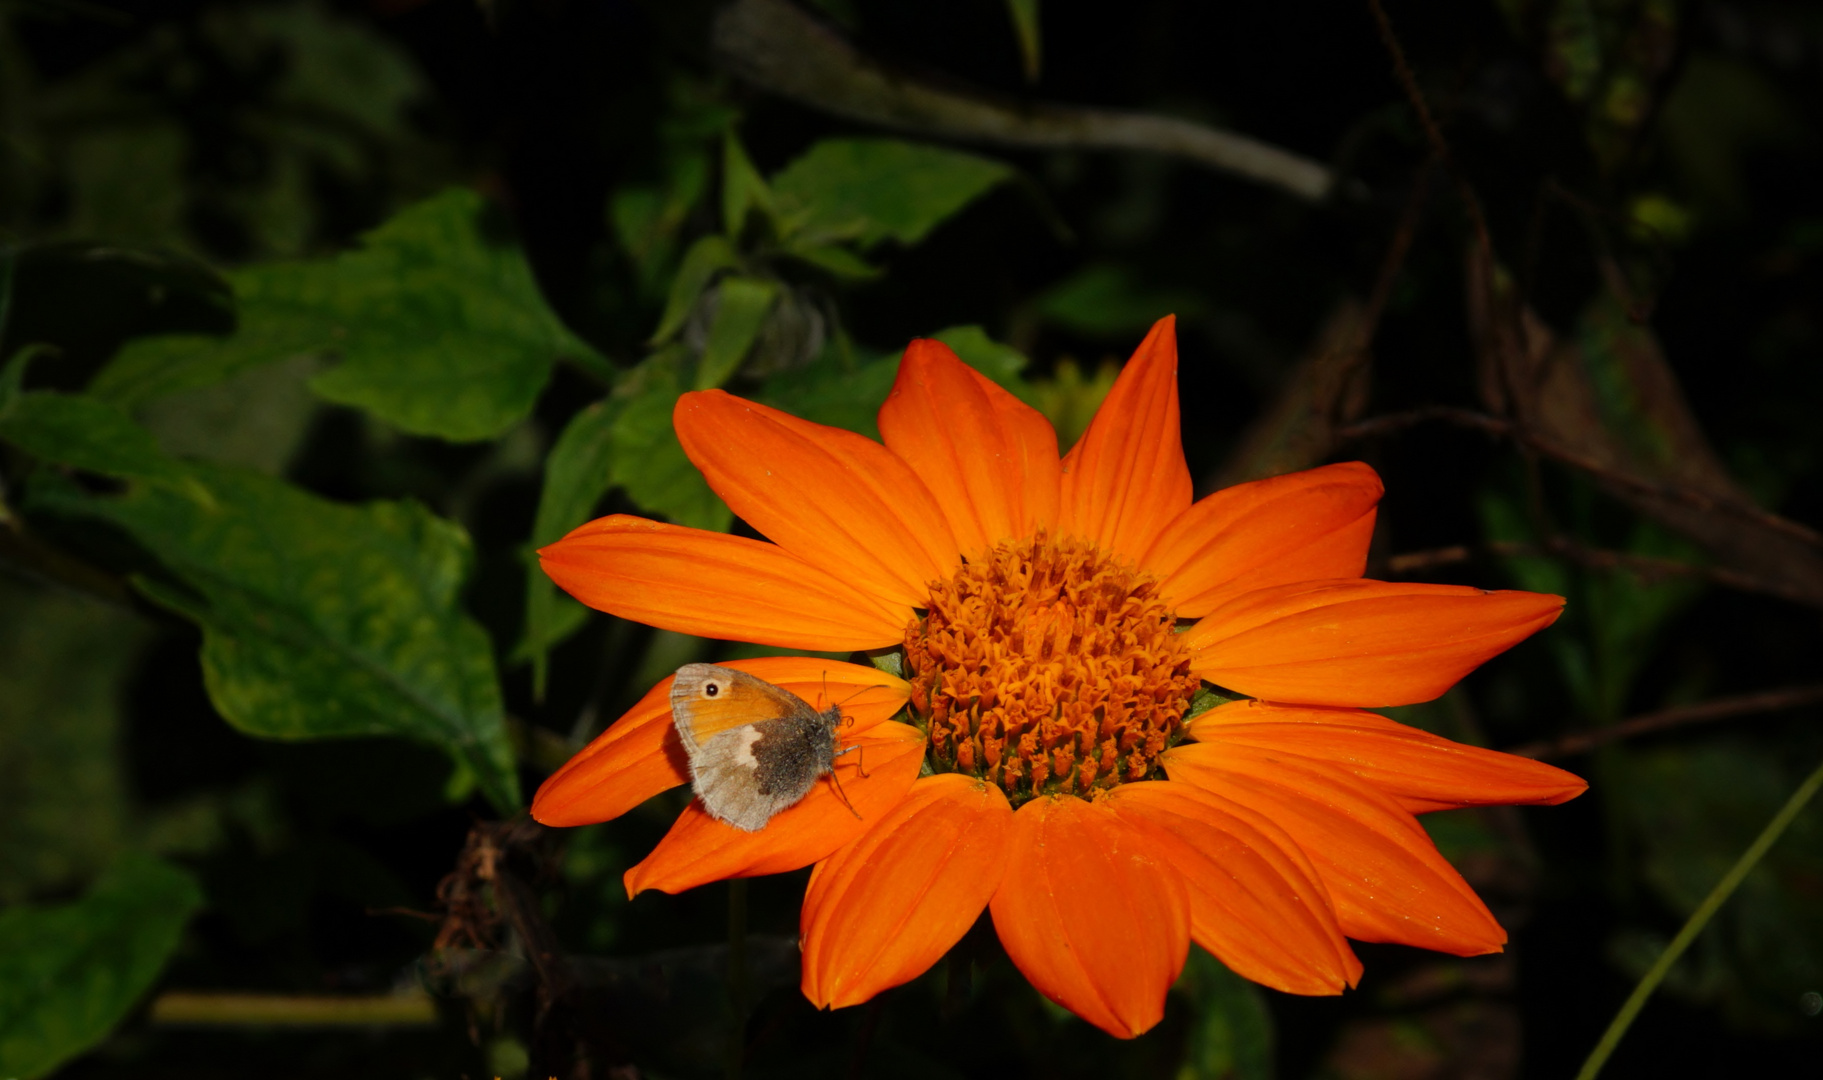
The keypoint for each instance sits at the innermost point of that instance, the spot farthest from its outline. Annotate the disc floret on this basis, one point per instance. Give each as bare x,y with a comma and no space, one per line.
1048,667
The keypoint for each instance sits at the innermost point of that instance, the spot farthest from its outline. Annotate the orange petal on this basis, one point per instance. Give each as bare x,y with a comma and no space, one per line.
882,910
1255,900
1092,913
1354,642
835,499
700,849
1126,479
1385,877
639,755
717,586
1300,527
989,458
1424,772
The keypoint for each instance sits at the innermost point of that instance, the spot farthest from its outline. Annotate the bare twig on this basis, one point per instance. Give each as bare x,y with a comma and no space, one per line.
1412,562
1493,425
26,554
1393,423
780,48
180,1008
1765,701
1439,145
1391,263
1649,567
1328,387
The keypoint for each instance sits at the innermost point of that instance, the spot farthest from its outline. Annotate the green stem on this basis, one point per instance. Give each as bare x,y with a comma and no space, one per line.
1698,919
737,976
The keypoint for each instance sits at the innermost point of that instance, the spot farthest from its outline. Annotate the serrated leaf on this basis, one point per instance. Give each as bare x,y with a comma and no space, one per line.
69,973
872,190
447,333
741,307
439,330
321,619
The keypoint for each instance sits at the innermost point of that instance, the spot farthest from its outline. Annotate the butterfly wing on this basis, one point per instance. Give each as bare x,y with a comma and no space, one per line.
733,783
707,700
721,716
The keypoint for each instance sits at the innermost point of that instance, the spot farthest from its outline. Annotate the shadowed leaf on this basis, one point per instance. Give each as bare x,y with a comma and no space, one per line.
320,619
872,190
69,973
439,330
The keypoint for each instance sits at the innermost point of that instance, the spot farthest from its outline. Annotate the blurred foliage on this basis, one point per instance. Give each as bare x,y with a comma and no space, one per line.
71,971
318,319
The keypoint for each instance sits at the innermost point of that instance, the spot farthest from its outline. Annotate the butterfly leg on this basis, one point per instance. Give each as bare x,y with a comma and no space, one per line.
843,795
860,762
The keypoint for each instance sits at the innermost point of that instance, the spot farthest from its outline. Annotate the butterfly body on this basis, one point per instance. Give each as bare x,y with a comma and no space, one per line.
754,748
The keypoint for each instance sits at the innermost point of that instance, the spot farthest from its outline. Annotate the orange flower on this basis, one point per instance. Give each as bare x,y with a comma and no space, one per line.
1051,772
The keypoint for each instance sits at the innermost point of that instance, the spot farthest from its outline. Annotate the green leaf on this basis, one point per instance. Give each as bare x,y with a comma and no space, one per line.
706,258
258,419
742,188
1024,14
626,441
448,334
440,330
69,973
577,473
1069,399
872,190
1106,300
835,393
837,260
321,619
741,306
84,433
1230,1034
648,461
276,322
1001,363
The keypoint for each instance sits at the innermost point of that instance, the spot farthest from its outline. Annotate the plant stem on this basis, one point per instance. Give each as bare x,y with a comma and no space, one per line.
1718,896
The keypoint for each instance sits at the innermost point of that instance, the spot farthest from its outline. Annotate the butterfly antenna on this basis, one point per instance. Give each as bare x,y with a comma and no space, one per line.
857,693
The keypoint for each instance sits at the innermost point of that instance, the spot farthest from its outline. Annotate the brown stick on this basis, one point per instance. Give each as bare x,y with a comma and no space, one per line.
1493,425
1391,263
1720,709
1646,566
1439,145
780,48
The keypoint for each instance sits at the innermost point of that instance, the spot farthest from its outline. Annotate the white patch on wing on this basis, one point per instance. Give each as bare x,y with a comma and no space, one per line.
743,752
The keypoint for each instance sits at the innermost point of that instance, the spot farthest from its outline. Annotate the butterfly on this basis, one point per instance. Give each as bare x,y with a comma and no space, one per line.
754,748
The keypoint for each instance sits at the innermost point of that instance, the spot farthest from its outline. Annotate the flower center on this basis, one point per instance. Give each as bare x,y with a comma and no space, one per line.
1048,668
